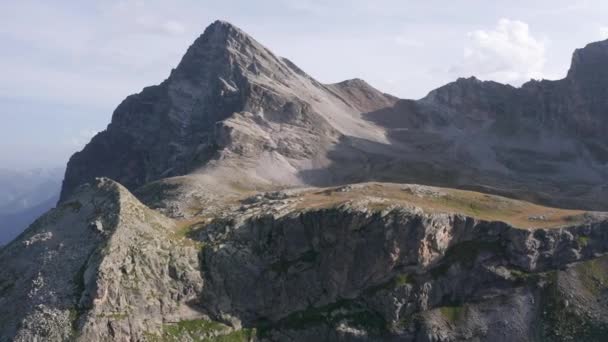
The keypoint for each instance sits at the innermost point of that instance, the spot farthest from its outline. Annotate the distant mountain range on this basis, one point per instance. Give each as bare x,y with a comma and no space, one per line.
24,196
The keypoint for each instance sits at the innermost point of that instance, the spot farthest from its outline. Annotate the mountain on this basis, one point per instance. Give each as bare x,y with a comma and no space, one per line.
219,206
24,196
236,113
232,110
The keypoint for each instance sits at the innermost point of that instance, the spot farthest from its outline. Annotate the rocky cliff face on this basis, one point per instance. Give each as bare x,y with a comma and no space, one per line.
353,274
104,267
84,270
231,236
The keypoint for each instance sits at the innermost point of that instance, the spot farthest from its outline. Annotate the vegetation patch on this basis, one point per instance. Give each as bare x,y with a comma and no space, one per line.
401,280
153,193
593,274
583,241
407,321
563,322
521,277
452,313
445,200
396,282
75,206
73,316
201,331
343,311
185,233
115,316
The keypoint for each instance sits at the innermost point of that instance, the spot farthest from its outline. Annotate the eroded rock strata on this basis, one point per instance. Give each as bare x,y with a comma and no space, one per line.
105,267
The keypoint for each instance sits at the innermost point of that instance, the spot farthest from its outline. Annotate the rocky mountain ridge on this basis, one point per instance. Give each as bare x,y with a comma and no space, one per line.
343,271
235,220
241,116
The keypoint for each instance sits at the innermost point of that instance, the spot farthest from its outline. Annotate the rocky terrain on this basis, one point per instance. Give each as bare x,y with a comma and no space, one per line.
231,110
242,200
240,116
312,264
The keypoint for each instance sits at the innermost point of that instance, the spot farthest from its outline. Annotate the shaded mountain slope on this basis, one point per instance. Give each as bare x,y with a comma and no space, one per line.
544,141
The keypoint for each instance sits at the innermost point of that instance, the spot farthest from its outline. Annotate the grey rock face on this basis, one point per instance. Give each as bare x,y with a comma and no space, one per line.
543,141
229,101
100,267
238,114
316,258
104,267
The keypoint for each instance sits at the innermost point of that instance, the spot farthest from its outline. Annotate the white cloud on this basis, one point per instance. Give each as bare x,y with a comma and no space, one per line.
604,32
508,53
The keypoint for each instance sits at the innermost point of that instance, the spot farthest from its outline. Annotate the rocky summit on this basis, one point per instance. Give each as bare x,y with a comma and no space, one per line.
242,200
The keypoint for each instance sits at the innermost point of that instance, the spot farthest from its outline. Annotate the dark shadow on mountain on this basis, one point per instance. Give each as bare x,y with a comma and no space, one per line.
405,114
355,160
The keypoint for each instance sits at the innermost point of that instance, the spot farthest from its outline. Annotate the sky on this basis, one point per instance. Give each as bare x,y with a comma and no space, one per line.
66,65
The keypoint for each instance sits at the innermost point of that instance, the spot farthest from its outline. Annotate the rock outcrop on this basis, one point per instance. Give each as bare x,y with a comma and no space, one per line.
104,267
375,269
99,267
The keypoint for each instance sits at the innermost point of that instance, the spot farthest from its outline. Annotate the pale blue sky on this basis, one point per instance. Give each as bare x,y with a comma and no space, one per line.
65,65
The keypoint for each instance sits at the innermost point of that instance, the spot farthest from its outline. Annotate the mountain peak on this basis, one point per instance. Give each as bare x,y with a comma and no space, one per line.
357,81
590,61
223,24
221,35
224,46
224,29
230,99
